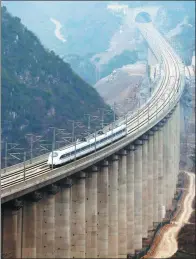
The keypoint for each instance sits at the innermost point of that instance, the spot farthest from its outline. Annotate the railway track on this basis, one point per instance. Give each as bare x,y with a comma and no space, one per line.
146,114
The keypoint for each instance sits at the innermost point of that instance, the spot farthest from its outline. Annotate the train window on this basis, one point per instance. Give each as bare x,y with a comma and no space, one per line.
100,132
63,156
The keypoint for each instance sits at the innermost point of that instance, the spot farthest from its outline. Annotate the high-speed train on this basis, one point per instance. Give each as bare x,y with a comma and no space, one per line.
78,150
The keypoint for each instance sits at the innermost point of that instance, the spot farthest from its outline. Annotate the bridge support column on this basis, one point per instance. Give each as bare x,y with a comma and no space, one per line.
102,204
78,227
178,137
145,187
155,175
122,205
62,220
138,195
91,213
174,151
130,199
177,143
164,164
150,181
9,233
113,207
39,228
160,175
172,147
152,60
166,161
29,230
170,163
48,223
19,233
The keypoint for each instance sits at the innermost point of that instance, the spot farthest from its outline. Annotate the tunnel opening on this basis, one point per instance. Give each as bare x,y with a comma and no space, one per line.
143,17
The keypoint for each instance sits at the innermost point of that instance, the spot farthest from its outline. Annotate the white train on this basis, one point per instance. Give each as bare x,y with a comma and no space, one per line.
78,150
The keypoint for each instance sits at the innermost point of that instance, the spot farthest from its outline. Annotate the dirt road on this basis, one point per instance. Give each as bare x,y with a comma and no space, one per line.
168,244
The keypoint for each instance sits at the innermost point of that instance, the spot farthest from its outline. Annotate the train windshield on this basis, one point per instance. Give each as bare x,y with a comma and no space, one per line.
55,154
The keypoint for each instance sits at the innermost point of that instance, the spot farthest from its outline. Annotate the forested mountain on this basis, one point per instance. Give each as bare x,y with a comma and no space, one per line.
39,89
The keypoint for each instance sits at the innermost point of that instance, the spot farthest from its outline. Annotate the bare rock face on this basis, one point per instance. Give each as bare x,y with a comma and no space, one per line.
126,86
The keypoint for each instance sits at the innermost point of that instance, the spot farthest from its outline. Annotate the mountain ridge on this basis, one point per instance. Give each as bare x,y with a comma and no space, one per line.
39,89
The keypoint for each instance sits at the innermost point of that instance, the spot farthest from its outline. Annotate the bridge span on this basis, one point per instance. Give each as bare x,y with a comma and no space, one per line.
104,204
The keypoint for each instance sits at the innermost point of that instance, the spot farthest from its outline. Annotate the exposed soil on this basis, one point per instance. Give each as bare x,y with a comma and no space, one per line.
178,237
187,239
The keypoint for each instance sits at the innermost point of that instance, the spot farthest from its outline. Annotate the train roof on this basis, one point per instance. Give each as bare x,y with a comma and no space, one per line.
90,141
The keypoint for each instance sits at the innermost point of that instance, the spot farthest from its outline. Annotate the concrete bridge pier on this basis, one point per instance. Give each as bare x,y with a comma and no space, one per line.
178,137
172,126
62,220
102,210
9,232
39,222
145,186
152,59
155,174
122,205
166,154
172,147
150,181
19,233
113,207
48,222
174,151
29,228
130,199
170,163
138,195
164,129
160,174
177,144
78,216
91,212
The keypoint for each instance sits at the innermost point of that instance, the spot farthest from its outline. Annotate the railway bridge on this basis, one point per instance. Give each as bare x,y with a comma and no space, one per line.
104,204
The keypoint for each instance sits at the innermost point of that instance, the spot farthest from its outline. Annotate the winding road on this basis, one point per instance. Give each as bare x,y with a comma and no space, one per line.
168,244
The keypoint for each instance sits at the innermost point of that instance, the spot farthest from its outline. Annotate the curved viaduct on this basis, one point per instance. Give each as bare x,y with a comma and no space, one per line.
102,205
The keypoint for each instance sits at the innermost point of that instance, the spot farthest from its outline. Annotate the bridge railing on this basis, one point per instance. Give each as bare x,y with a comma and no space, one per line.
158,115
44,157
54,175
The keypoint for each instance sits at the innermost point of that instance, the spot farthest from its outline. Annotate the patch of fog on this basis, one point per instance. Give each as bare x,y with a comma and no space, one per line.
57,31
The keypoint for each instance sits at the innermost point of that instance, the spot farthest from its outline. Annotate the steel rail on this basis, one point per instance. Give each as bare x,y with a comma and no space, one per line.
31,173
40,159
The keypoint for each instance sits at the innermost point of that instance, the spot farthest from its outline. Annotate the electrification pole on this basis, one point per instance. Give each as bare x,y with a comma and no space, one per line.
88,123
114,115
75,150
126,123
24,161
53,143
73,130
6,149
95,141
102,117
